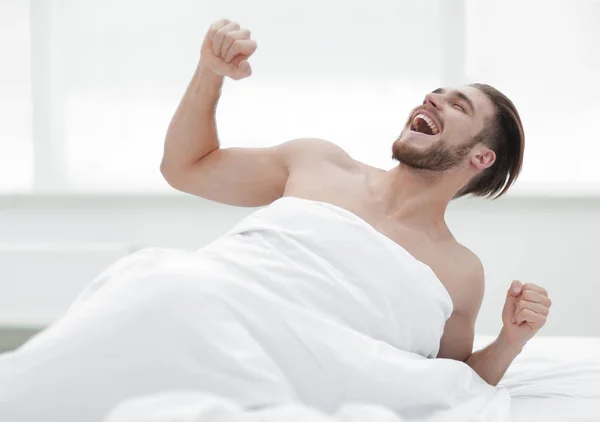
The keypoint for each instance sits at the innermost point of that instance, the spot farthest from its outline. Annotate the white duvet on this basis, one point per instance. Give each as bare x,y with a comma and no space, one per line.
302,311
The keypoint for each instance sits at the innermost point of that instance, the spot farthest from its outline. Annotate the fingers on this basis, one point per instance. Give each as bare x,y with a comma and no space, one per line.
242,47
231,48
530,306
230,38
219,36
533,320
212,30
536,297
535,288
538,308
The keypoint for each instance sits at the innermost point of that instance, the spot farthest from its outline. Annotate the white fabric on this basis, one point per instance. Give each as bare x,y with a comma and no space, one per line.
301,305
558,409
554,367
554,379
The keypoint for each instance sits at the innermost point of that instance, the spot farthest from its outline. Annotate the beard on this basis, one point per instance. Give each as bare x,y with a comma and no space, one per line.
438,157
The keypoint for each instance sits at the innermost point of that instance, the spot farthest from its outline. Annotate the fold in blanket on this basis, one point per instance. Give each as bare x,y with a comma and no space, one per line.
300,304
201,407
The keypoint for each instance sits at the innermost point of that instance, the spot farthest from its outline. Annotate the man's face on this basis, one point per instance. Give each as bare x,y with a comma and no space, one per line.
441,133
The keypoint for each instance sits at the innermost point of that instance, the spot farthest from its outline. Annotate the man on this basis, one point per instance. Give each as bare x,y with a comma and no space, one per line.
458,142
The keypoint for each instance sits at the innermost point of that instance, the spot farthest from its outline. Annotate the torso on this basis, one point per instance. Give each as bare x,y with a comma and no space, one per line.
345,184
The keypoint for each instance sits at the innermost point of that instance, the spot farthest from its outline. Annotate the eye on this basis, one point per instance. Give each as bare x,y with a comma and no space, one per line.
460,107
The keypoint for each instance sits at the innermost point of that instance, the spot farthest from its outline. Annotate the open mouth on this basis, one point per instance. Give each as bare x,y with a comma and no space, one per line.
424,124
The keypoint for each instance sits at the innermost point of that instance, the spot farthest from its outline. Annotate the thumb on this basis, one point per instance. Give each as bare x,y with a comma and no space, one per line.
515,288
512,296
241,69
244,68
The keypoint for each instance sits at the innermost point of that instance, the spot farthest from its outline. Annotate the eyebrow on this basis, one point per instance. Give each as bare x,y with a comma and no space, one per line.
458,95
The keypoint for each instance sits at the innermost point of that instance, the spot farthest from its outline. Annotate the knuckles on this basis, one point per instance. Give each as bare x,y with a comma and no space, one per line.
534,287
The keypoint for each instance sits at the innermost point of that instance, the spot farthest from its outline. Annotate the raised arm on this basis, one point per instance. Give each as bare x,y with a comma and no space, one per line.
193,161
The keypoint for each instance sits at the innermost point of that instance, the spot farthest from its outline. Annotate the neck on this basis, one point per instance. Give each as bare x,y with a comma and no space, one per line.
420,197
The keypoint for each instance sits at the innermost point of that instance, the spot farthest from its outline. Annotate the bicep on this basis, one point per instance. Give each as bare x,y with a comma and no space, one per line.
249,177
457,341
459,332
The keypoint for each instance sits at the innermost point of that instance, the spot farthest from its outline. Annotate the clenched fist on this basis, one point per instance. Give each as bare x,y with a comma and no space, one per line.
525,312
226,49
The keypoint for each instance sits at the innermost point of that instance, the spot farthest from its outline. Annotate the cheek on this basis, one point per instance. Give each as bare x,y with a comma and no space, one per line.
459,135
459,127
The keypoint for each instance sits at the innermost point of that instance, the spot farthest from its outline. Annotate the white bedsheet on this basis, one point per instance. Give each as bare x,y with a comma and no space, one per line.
554,379
301,309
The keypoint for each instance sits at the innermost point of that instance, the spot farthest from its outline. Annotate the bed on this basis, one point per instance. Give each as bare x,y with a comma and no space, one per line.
190,334
554,379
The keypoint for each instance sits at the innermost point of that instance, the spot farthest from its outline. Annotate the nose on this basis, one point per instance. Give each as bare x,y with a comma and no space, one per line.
433,100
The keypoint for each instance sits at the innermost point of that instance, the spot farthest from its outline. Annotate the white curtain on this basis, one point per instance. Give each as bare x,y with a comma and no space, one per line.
347,71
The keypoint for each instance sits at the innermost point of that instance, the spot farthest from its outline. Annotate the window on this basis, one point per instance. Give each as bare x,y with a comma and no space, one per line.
545,56
16,159
106,76
321,70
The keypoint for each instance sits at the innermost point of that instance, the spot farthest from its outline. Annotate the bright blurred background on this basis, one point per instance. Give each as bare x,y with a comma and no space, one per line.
88,87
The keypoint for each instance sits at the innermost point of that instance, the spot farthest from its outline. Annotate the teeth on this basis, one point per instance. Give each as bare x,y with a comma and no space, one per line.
429,122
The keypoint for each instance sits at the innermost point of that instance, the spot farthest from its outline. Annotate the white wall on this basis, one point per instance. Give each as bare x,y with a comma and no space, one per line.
52,247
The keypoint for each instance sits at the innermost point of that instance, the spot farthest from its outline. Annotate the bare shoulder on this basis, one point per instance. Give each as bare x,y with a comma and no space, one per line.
312,144
469,285
298,150
470,261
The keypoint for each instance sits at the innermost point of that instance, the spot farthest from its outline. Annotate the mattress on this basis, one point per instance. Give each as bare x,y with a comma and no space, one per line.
554,379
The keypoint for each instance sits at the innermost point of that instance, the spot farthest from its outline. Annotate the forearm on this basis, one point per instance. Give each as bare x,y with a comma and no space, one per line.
192,132
492,362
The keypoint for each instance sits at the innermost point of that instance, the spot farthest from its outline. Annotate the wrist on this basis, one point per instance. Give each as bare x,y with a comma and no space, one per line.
206,84
505,341
205,73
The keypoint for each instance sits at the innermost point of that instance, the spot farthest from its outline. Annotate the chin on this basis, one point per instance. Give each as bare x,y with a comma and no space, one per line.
414,143
419,140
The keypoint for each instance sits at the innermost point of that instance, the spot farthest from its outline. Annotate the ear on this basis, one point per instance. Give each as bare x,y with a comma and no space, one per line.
483,158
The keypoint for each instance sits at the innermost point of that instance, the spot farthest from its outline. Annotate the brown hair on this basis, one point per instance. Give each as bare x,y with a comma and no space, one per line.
503,134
